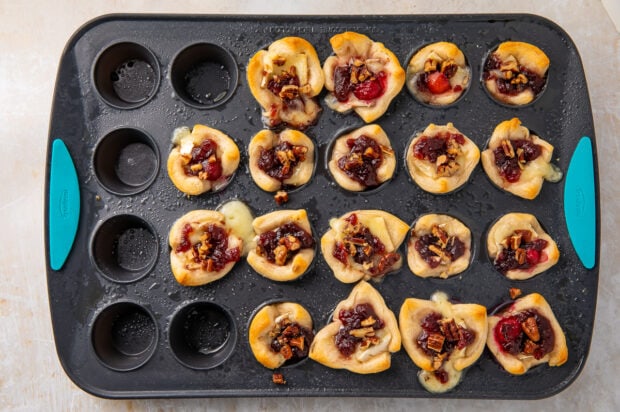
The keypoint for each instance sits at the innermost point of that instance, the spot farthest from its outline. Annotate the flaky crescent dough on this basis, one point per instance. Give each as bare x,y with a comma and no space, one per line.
340,149
439,52
424,173
297,52
185,270
387,227
534,173
375,358
526,55
453,227
506,226
299,263
518,365
348,46
469,315
264,322
227,152
267,139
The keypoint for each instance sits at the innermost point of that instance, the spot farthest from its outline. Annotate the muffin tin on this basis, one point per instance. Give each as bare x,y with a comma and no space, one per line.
124,328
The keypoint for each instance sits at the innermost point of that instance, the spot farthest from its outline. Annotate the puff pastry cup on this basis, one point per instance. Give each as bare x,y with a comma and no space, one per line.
438,74
362,159
526,334
438,246
362,75
519,161
363,244
441,159
203,160
284,80
519,246
203,248
284,245
362,335
280,333
442,338
515,73
278,160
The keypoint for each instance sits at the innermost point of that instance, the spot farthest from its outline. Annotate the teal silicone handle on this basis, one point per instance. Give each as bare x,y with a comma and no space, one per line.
64,204
580,203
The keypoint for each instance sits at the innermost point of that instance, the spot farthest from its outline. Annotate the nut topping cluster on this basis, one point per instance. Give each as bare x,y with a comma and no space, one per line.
290,339
511,71
441,336
447,67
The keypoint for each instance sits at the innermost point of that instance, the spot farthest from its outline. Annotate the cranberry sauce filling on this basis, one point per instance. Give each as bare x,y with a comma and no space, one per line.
513,155
291,340
204,162
440,337
285,78
527,333
431,148
279,162
358,326
211,251
364,158
513,84
356,78
364,248
438,248
521,252
280,245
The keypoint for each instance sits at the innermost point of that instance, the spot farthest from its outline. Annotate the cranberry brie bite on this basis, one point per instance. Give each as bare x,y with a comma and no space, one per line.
363,245
441,159
281,160
526,334
284,245
438,74
438,246
362,75
203,247
362,159
362,335
519,161
515,73
281,334
284,79
442,338
519,246
203,160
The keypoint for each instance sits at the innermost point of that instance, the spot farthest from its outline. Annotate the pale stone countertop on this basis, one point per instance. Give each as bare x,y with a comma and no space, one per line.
32,36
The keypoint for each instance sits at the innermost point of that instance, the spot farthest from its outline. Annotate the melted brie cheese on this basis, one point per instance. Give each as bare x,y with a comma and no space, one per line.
239,219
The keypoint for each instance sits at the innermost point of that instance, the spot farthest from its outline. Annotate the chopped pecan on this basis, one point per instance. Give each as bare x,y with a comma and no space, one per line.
438,359
209,265
514,293
278,379
448,68
203,175
515,241
530,328
286,352
362,332
440,234
449,329
196,167
289,92
280,253
521,256
521,158
368,341
520,79
447,169
281,197
298,342
530,347
430,65
290,242
526,235
435,342
507,148
369,321
370,152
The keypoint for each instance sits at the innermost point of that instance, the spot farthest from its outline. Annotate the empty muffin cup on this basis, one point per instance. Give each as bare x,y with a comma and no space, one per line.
126,75
202,335
124,248
124,336
126,161
204,75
